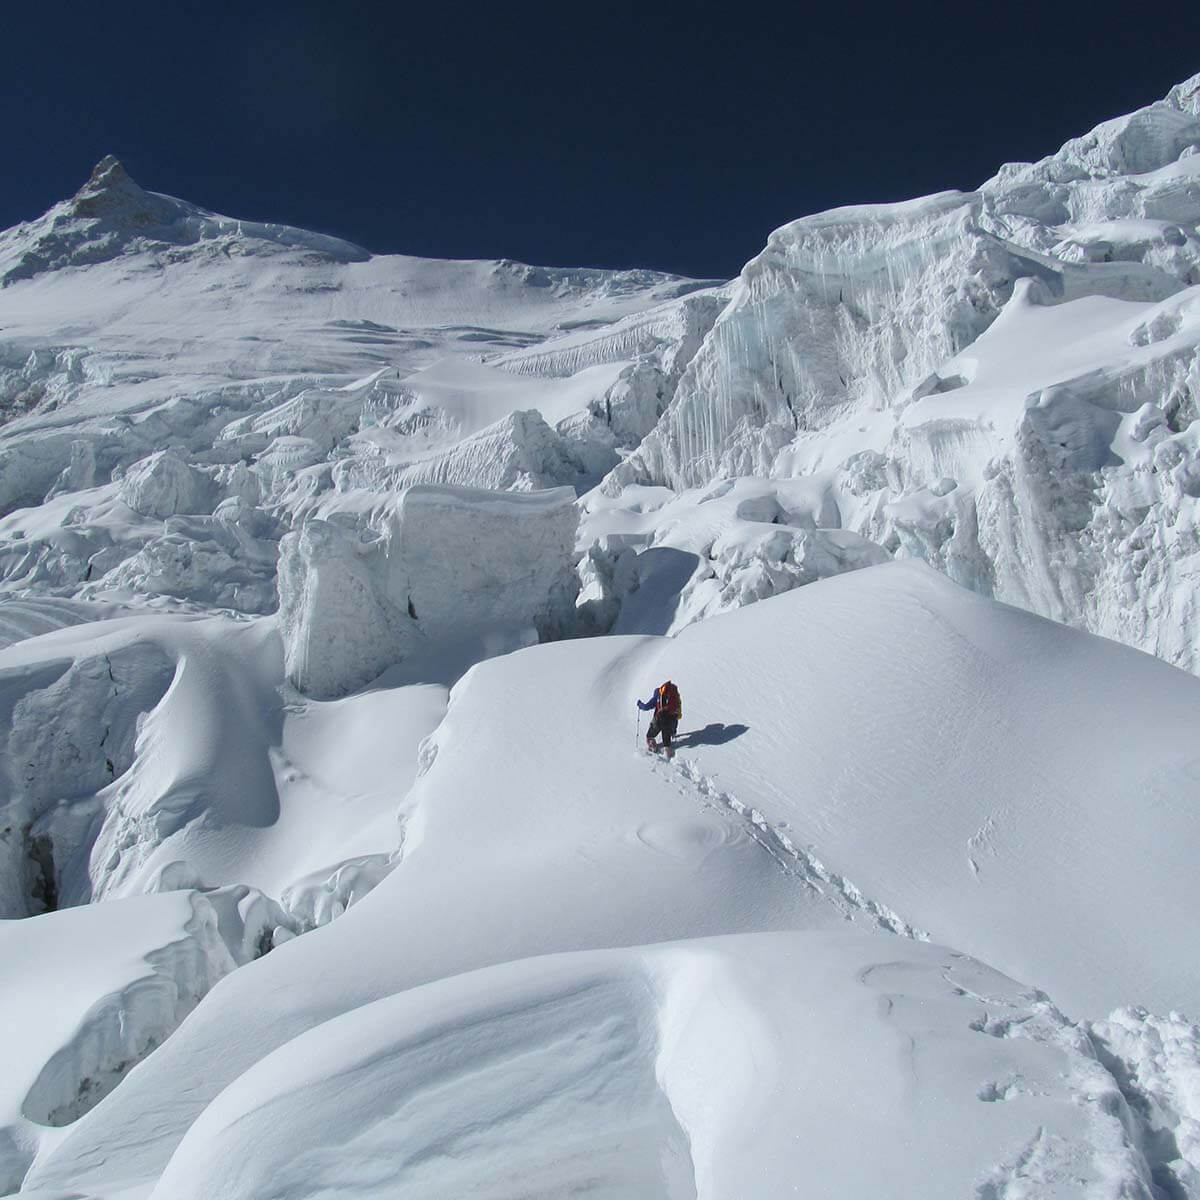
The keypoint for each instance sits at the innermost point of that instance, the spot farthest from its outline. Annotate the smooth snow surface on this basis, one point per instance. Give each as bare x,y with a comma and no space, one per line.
942,798
661,1073
333,862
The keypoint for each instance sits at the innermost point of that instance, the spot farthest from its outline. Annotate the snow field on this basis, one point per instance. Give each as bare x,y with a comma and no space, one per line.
536,826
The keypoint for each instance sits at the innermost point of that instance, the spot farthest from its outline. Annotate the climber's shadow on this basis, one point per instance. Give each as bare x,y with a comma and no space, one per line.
714,734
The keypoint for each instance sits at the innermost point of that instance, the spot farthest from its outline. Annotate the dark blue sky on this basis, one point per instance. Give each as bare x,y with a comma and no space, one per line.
608,134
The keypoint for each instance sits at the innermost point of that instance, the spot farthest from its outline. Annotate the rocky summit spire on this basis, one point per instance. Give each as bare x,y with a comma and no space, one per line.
109,188
107,173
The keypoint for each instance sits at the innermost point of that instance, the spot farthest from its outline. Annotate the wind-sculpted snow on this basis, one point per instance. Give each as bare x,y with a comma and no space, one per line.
113,747
662,1072
979,783
93,990
151,753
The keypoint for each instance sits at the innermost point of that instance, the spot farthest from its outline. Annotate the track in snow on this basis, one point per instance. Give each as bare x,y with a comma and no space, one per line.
792,859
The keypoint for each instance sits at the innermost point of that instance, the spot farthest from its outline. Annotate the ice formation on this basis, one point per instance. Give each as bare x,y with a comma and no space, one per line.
442,564
968,376
93,990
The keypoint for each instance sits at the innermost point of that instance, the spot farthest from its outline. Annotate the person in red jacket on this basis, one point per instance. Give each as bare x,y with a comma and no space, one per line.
668,708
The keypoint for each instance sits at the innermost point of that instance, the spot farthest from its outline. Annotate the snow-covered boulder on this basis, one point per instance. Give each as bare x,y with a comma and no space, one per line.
165,484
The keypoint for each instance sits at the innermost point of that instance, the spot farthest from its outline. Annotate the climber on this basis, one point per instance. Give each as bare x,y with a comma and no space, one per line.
668,708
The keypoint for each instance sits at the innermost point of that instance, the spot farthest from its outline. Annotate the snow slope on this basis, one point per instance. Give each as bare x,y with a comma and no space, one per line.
661,1072
944,797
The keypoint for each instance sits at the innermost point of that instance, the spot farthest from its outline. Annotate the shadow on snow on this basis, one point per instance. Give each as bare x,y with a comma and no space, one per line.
713,734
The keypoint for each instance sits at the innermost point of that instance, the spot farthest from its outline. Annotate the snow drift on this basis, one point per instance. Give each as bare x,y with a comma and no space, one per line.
661,1072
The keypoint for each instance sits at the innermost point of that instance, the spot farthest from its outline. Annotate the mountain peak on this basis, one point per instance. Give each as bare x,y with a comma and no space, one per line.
110,190
108,172
112,215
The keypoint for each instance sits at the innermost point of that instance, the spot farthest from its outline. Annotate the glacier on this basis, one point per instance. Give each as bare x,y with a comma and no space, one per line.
968,376
332,862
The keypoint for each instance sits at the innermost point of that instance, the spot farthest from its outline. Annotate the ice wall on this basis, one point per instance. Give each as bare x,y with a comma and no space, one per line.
962,377
471,559
340,627
442,565
840,310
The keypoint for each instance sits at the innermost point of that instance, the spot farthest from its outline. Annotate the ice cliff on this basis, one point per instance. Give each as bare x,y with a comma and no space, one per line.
1002,383
442,566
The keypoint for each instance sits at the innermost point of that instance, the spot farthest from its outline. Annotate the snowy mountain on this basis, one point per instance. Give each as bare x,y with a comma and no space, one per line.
331,861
